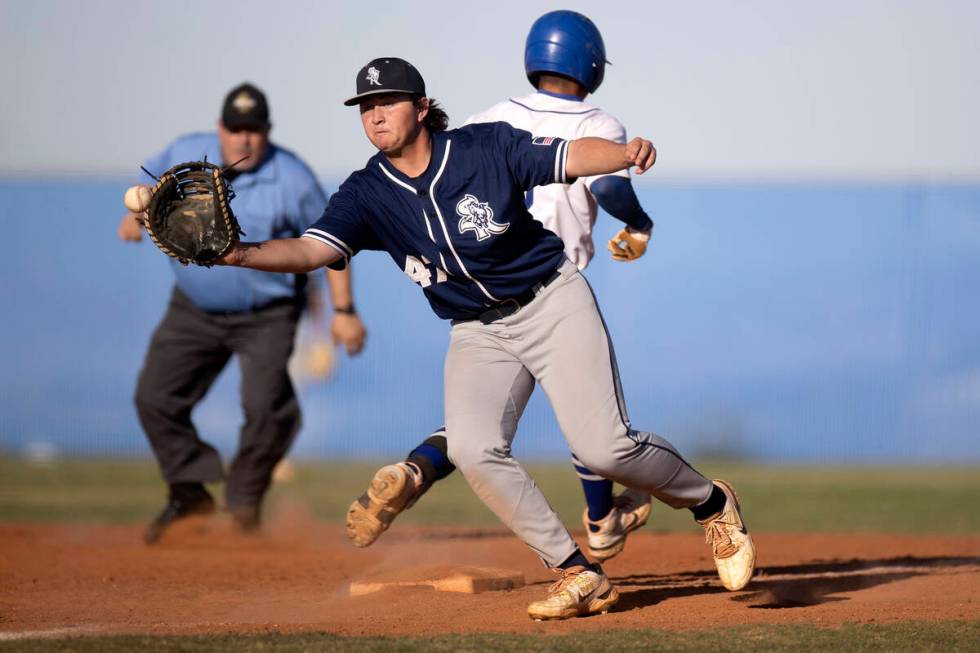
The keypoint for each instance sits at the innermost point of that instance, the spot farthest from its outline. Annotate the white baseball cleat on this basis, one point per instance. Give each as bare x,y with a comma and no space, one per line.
731,544
631,509
393,489
579,591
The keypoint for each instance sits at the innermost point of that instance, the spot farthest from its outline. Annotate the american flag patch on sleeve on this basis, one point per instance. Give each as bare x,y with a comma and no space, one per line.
543,140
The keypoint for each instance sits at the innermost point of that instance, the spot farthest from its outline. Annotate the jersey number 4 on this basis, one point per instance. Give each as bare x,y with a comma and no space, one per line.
420,271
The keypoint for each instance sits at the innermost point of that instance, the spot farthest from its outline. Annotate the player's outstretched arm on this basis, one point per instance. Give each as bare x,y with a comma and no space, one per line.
297,255
598,156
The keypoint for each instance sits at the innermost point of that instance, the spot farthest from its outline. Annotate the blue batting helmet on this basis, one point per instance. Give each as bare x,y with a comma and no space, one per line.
566,43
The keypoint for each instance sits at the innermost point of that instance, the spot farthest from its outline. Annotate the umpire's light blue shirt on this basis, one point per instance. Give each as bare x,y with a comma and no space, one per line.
278,199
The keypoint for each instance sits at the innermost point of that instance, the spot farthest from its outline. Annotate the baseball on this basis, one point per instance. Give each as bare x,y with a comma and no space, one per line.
137,198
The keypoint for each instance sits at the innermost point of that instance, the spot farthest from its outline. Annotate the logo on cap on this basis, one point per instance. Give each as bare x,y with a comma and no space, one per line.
244,102
373,76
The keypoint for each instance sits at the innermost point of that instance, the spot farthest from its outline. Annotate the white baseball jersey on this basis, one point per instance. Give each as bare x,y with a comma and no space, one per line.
569,211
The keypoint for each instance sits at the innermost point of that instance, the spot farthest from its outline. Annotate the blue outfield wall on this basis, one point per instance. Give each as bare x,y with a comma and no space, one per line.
785,322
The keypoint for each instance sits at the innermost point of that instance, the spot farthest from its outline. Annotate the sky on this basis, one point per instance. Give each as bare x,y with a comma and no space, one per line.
759,89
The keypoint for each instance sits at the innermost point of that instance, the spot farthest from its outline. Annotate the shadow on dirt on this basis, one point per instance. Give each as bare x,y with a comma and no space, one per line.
788,586
448,534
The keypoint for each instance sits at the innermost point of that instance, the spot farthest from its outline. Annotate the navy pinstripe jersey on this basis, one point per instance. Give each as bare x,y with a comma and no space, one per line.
460,229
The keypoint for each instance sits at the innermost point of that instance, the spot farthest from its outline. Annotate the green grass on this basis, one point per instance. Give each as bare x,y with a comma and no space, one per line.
909,636
775,498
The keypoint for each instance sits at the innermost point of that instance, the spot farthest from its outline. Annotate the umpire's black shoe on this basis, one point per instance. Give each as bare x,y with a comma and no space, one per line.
247,519
186,499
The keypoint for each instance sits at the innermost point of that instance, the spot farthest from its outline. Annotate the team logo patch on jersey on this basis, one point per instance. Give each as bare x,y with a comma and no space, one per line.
373,76
543,140
477,216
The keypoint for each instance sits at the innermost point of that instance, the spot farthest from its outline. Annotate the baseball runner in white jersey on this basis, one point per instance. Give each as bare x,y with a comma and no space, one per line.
568,210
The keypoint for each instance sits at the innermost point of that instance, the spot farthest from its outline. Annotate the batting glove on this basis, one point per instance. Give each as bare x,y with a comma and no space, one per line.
628,244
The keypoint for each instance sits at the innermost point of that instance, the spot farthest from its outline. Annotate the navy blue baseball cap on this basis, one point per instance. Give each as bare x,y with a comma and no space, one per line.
387,75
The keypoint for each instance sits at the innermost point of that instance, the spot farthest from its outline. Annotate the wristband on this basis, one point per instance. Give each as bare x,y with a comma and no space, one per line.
345,310
642,236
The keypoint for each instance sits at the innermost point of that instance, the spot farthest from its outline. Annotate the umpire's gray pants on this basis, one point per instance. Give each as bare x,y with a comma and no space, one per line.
560,340
188,351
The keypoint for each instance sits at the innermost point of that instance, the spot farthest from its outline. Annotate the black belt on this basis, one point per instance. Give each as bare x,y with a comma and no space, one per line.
513,304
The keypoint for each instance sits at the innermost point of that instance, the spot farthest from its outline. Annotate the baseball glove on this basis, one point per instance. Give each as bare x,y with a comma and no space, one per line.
189,217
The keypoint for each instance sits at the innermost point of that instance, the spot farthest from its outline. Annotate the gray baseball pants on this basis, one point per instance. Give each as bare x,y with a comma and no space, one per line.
560,340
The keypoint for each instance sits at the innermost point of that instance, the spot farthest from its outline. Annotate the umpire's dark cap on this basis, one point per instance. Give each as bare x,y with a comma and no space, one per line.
387,75
245,108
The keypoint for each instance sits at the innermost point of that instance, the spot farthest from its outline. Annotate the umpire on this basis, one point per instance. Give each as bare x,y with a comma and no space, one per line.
214,314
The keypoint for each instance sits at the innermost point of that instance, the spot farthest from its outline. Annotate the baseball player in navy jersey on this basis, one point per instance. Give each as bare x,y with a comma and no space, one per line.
448,207
564,59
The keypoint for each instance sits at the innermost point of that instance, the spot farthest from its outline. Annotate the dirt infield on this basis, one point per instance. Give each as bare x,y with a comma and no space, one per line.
75,580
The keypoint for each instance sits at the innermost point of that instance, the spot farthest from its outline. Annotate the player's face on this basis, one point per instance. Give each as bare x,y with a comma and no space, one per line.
237,143
391,120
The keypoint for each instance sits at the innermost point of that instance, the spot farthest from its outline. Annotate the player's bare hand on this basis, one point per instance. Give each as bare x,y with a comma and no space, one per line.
642,154
349,331
131,228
